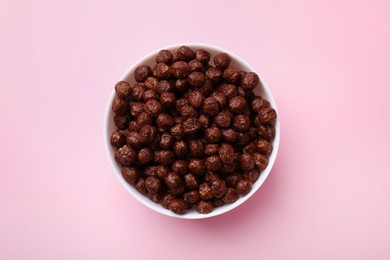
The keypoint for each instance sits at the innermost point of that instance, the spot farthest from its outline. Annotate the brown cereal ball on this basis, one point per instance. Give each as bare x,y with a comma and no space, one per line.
145,156
195,98
214,74
207,88
232,75
153,184
164,121
121,121
228,168
173,180
260,160
153,107
144,118
180,69
181,148
118,139
191,181
210,106
232,179
161,171
164,56
134,126
237,104
212,134
164,157
166,200
218,188
179,190
161,71
226,153
135,140
196,65
253,175
217,202
180,167
267,115
136,108
166,141
119,106
142,72
187,111
229,90
149,95
204,207
125,155
241,123
266,132
204,121
250,148
151,83
130,174
196,148
196,166
140,186
229,135
210,177
222,60
196,79
203,56
180,103
168,99
250,81
191,126
222,119
213,163
230,196
123,89
243,139
137,91
243,187
155,197
178,206
247,162
150,170
147,133
191,196
264,147
221,99
177,131
182,85
164,86
211,149
205,191
185,53
259,103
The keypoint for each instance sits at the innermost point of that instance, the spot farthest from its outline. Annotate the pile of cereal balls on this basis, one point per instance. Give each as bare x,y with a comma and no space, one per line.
191,135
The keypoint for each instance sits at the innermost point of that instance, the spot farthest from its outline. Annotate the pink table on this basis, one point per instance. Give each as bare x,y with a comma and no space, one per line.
327,64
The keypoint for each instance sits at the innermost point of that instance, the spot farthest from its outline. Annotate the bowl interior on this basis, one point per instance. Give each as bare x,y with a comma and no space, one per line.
109,127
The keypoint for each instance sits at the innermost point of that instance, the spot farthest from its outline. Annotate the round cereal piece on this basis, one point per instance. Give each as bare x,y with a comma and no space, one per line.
214,74
261,161
134,139
166,200
204,120
191,126
123,89
173,180
168,99
267,115
253,175
196,65
144,118
228,168
221,99
210,106
259,103
266,132
181,148
249,81
226,153
191,197
119,106
204,207
164,121
196,148
153,184
180,103
191,181
161,171
247,162
229,135
164,86
178,206
241,123
121,121
137,92
164,157
196,79
142,72
222,120
182,85
217,202
118,139
136,108
243,139
125,155
233,178
250,148
211,149
180,167
243,187
150,170
180,69
213,163
177,131
134,126
222,60
153,107
130,174
202,55
161,71
230,196
237,104
212,134
218,188
264,147
151,83
140,186
195,98
229,90
196,166
232,75
145,156
155,197
205,191
207,88
210,177
166,141
185,53
147,133
187,111
164,56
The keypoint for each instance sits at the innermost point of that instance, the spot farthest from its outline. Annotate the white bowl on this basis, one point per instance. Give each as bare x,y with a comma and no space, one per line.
109,127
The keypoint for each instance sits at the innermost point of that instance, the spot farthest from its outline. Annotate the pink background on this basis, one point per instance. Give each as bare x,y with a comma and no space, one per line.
327,64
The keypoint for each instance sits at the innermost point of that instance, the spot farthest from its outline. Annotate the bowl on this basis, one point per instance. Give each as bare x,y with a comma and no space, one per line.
109,127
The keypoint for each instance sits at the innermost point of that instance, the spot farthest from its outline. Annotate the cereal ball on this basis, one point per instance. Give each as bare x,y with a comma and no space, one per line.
191,196
182,84
241,123
153,184
217,202
191,181
168,99
232,179
161,171
123,89
267,115
151,83
185,53
150,170
137,91
210,106
211,149
136,108
164,56
226,153
155,197
117,139
204,121
144,118
229,135
250,81
180,103
121,121
259,103
178,192
205,191
178,206
187,111
180,167
196,65
140,186
196,148
246,162
181,148
125,155
191,126
229,90
221,99
243,187
149,95
119,106
161,71
177,131
164,86
212,134
253,175
228,168
142,72
266,132
207,88
214,74
218,188
180,69
209,177
130,174
196,79
260,160
164,121
196,166
232,75
250,148
204,207
134,139
222,60
147,133
166,141
243,139
264,147
153,107
237,104
145,156
164,157
230,196
195,98
173,180
213,163
134,126
203,56
222,119
166,200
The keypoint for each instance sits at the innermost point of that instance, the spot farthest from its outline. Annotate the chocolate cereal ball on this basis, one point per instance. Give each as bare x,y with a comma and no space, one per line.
151,83
153,184
185,53
212,135
142,72
214,74
222,60
137,91
178,206
210,107
260,160
237,104
121,121
191,126
149,95
164,157
195,98
267,115
180,167
222,120
164,86
147,133
166,200
213,163
196,166
243,187
119,106
164,121
211,149
196,148
221,99
153,107
218,188
180,69
241,123
125,155
161,171
173,180
230,196
229,90
145,156
164,56
181,148
135,140
226,153
247,162
191,197
229,135
264,147
166,141
168,99
161,71
118,139
130,174
250,81
204,207
205,192
196,65
123,89
136,108
232,75
202,55
177,131
196,79
259,103
191,181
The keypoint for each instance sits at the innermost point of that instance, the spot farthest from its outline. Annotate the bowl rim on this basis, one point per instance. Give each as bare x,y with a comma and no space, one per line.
157,207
